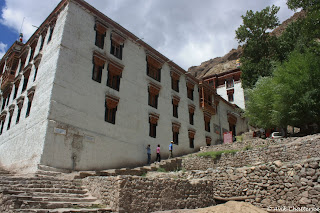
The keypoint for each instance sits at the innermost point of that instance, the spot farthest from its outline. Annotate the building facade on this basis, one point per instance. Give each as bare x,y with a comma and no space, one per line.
83,93
228,86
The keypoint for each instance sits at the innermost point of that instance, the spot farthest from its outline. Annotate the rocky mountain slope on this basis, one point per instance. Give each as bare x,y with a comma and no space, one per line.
228,62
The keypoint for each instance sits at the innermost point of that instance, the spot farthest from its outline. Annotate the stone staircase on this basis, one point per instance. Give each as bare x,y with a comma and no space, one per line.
168,165
45,194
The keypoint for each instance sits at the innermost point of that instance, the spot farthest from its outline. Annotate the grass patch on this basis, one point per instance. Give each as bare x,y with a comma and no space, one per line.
161,170
217,154
144,174
247,147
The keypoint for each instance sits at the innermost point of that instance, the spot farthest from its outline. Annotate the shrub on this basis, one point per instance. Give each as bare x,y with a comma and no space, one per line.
216,154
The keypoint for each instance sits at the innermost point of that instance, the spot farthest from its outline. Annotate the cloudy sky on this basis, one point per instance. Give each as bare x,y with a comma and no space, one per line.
186,31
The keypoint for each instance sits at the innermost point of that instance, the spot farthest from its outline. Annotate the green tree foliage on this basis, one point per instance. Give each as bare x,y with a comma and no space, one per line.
259,46
259,107
296,101
291,95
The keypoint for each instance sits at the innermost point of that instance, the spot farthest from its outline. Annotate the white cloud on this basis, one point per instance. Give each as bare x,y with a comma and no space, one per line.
187,32
3,48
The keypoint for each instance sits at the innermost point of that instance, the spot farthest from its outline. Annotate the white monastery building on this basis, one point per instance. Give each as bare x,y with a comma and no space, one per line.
228,86
83,93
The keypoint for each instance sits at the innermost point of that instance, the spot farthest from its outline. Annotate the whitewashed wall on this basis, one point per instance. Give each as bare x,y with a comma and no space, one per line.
21,146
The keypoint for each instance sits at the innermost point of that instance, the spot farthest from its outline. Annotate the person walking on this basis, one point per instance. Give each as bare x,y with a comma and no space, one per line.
149,154
158,154
170,149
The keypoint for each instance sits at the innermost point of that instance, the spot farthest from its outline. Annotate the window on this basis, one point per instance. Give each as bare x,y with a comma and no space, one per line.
3,103
154,68
10,118
35,74
208,140
191,114
207,119
175,85
113,81
190,88
43,36
110,115
175,103
30,98
117,43
97,73
98,65
175,76
175,132
153,96
114,75
28,108
8,98
31,54
20,104
229,83
153,122
191,133
52,24
25,81
230,95
116,49
18,116
100,34
3,119
175,110
16,87
175,138
111,109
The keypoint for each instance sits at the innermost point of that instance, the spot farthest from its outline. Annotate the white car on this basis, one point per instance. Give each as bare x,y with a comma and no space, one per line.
275,135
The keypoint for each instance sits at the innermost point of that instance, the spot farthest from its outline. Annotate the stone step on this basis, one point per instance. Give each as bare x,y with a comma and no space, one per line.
47,173
13,180
59,186
64,210
44,194
54,198
29,204
49,168
47,190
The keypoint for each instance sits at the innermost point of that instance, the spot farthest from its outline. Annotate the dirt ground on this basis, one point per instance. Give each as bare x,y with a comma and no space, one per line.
229,207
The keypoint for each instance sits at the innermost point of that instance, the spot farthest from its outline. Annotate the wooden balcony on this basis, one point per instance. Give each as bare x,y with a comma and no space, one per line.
208,107
7,78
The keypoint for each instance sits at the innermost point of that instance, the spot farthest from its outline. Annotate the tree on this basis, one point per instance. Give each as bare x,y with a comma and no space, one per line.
259,46
296,102
259,107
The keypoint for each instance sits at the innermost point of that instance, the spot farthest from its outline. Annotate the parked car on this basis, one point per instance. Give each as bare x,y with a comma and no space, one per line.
275,135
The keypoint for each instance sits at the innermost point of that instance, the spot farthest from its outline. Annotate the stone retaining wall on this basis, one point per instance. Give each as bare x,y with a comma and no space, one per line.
139,194
296,150
273,184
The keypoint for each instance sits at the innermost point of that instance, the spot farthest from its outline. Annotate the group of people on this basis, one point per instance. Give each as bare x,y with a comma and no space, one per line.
158,159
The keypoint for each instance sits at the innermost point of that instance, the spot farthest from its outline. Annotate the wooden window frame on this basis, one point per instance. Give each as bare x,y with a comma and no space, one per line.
111,106
101,31
114,75
175,132
175,104
98,66
153,95
154,67
191,134
153,123
117,44
190,90
175,78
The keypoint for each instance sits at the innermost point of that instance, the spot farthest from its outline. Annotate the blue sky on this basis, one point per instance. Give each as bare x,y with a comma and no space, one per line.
7,35
185,31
